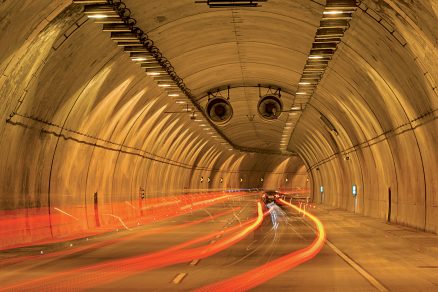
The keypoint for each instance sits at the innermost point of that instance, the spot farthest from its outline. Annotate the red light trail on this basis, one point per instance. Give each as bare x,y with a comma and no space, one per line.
95,275
261,274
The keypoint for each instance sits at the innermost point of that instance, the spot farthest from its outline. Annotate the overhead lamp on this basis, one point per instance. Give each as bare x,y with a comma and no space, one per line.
173,94
332,12
180,102
304,83
315,57
153,73
97,16
302,93
150,66
124,36
164,85
138,59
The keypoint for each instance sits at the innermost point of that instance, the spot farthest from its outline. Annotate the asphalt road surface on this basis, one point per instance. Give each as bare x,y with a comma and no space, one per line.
194,251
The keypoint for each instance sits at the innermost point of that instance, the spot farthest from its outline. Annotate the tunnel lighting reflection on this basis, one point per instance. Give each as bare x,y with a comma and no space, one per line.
266,272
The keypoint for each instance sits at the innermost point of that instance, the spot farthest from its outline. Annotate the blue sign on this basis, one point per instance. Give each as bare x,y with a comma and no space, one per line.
354,190
321,189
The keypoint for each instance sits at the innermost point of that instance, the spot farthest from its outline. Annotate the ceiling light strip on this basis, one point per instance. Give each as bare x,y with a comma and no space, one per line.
334,22
116,19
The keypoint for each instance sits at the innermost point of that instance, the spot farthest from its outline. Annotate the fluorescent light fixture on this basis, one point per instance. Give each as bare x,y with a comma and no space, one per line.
332,12
295,108
138,59
180,102
304,83
315,57
152,73
97,16
301,93
173,94
164,85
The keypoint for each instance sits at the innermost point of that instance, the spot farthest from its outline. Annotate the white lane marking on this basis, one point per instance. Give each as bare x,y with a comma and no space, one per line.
237,217
209,214
120,220
65,213
358,268
218,236
132,206
178,279
194,262
370,278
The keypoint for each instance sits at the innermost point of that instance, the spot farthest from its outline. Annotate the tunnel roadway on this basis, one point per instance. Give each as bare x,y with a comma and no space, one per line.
154,257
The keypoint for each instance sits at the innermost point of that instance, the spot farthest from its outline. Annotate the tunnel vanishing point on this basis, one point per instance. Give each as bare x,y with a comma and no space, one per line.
108,105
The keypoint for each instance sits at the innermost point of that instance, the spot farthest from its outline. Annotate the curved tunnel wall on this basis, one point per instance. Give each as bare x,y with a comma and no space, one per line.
80,118
81,121
380,94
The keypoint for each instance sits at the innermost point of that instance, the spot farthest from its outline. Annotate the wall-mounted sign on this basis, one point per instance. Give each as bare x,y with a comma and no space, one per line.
354,190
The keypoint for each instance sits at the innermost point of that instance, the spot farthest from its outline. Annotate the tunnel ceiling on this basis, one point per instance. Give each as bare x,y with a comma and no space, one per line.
244,53
255,51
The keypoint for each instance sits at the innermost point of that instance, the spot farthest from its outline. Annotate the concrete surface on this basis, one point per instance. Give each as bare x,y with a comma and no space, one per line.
397,258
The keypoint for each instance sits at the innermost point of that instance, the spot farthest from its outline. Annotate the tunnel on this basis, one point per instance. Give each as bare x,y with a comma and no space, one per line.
219,145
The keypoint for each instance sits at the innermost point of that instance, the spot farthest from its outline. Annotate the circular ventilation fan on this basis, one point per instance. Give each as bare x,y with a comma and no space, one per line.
219,110
270,107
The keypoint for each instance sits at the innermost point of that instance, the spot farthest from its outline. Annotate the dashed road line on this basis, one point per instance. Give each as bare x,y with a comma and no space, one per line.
195,262
178,279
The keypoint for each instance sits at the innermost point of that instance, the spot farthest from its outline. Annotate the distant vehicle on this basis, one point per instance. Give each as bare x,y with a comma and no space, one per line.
270,196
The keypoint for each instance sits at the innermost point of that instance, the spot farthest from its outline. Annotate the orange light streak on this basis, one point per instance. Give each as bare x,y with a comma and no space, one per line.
94,246
95,275
266,272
